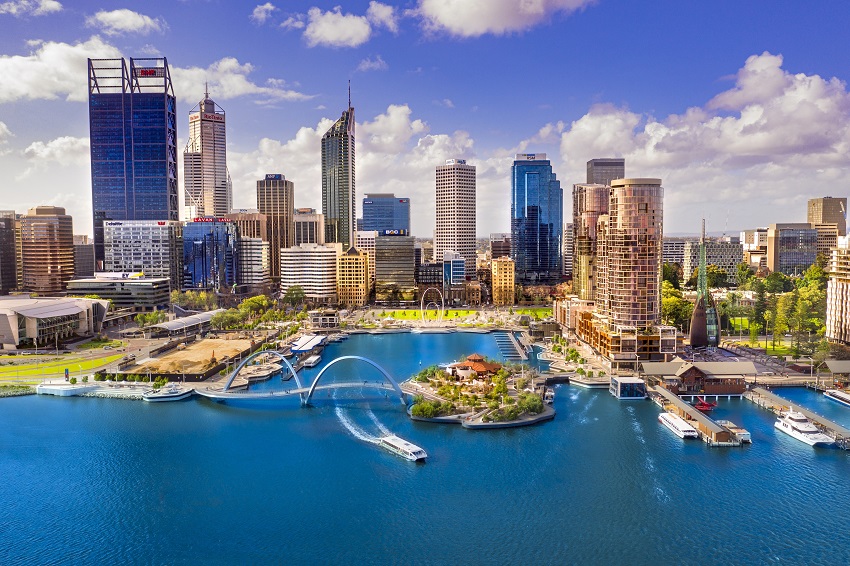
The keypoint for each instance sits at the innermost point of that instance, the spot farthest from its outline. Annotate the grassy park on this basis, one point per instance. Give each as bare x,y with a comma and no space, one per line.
34,371
433,314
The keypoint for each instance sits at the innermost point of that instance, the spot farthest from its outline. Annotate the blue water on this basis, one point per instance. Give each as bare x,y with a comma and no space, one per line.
93,481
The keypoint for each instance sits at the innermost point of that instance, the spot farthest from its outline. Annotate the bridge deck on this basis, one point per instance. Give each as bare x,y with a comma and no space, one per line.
219,394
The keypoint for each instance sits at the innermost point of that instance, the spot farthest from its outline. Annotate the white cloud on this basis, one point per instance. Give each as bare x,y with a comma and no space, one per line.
335,29
20,8
262,13
771,138
445,103
5,135
473,18
118,22
383,15
65,151
52,71
376,64
294,22
228,78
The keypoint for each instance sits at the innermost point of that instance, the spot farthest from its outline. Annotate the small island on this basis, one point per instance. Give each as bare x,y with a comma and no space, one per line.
478,393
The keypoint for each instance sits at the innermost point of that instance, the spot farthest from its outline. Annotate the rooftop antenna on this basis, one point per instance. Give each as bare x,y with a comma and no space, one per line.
349,93
206,89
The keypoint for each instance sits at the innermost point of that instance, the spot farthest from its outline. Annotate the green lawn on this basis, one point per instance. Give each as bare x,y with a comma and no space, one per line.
542,312
52,368
740,324
98,344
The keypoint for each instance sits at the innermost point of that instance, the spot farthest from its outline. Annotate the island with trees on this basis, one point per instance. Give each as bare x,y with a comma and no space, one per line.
478,393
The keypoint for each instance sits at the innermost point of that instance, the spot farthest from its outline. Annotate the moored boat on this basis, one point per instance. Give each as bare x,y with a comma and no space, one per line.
171,392
741,434
312,361
403,448
678,425
837,395
796,425
549,396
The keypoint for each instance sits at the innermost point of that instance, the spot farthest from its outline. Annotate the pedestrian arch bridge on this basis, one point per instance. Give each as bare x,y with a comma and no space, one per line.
302,390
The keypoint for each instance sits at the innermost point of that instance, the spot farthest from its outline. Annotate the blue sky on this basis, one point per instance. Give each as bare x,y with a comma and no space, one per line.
741,108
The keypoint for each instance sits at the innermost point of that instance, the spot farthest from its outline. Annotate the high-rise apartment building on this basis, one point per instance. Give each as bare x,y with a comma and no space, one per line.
152,247
537,220
589,203
309,226
829,210
208,190
47,241
634,244
133,138
251,223
838,294
568,248
352,278
275,197
210,255
604,170
503,281
382,211
8,261
791,247
83,256
313,268
456,214
364,241
338,181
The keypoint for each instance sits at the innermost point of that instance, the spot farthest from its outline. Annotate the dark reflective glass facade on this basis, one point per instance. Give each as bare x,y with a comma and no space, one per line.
209,255
386,212
537,217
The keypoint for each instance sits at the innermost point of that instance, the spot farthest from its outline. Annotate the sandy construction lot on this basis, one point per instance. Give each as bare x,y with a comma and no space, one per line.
195,358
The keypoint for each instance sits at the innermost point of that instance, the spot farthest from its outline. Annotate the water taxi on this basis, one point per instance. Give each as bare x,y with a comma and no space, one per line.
837,395
312,361
402,448
171,392
549,396
742,434
678,425
797,425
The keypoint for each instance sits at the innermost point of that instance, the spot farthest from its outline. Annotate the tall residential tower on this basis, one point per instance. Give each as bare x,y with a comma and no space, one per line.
133,134
205,177
456,215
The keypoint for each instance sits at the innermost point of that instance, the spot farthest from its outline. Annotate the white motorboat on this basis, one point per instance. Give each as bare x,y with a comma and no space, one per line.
741,434
403,448
797,425
837,395
549,396
171,392
312,361
678,425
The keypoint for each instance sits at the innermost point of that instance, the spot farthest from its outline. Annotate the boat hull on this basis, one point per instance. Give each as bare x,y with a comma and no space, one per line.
683,433
838,396
168,397
811,440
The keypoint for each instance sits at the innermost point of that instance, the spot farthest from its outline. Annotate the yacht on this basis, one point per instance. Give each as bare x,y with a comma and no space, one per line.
678,425
837,395
797,425
171,392
402,448
549,396
312,361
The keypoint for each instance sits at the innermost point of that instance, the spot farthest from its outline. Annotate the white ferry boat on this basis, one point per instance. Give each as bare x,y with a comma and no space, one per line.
837,395
171,392
312,361
402,447
549,396
678,425
797,425
741,434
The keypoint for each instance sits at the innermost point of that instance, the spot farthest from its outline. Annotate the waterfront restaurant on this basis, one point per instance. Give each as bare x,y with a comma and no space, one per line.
474,363
699,378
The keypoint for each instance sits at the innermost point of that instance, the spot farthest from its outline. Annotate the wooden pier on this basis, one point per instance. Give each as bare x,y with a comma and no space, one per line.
709,431
772,402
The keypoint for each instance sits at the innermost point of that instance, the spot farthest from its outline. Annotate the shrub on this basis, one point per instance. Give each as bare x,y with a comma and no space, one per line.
73,381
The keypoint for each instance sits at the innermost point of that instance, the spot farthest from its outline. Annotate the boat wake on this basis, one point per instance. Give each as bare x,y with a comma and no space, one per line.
355,430
649,462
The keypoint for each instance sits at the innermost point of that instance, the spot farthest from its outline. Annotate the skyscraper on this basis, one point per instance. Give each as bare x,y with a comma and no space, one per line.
205,177
589,203
829,210
275,196
8,268
47,241
133,134
456,215
537,219
386,212
604,170
210,255
309,226
338,186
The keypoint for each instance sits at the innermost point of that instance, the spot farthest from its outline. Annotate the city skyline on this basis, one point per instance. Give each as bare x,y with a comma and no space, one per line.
746,116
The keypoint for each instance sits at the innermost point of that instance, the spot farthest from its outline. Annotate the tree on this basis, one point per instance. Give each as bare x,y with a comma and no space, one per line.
716,277
760,303
294,295
670,273
743,274
778,282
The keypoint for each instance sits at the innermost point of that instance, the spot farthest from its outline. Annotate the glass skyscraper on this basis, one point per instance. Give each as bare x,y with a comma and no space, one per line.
338,186
133,133
383,212
537,219
209,255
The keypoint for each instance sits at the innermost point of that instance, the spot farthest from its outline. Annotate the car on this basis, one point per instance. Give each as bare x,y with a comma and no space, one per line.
107,347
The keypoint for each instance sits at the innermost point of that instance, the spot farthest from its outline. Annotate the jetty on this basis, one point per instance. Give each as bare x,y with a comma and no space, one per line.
509,347
711,432
772,402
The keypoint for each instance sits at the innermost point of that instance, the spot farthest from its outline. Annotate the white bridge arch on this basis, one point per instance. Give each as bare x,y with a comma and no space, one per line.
257,354
395,385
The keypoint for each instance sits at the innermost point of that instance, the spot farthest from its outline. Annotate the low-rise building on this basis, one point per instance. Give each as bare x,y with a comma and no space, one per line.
323,319
125,290
27,321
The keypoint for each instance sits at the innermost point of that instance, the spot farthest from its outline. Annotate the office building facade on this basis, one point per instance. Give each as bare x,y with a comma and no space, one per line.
456,212
382,211
309,226
725,255
275,196
206,180
83,256
251,223
395,269
313,268
210,255
152,247
604,170
254,263
133,135
500,245
47,242
125,291
352,278
791,247
537,220
338,181
8,261
828,210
